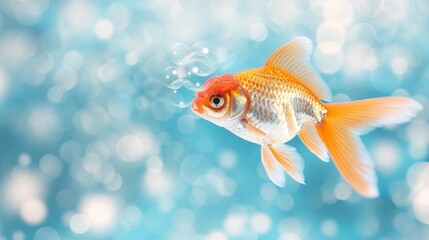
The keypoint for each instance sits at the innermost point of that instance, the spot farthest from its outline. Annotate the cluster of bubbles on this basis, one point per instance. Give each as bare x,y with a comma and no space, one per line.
192,64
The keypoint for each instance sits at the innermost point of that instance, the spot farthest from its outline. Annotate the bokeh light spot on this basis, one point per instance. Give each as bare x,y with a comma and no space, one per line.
186,124
21,187
104,29
399,65
24,159
3,83
183,219
387,156
134,147
51,165
285,202
55,94
268,192
331,33
339,10
261,223
235,223
131,59
328,58
216,235
329,227
371,63
342,191
284,13
131,216
102,212
157,184
80,224
73,59
18,235
258,32
33,211
227,159
45,233
28,13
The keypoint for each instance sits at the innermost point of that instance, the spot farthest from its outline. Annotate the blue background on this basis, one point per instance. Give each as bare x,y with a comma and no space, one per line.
91,147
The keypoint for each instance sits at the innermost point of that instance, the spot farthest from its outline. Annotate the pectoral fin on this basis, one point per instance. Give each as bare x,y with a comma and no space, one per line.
252,128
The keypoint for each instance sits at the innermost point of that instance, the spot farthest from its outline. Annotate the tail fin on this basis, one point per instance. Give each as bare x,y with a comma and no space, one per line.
344,123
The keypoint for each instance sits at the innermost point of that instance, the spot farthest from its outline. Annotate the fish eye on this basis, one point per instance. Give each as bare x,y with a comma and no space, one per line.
216,101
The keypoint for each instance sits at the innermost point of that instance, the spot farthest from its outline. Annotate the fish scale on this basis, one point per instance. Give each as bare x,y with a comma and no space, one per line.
291,105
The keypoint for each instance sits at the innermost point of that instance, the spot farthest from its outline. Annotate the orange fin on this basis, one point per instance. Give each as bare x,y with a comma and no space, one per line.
277,158
252,128
312,141
365,115
294,58
272,167
346,121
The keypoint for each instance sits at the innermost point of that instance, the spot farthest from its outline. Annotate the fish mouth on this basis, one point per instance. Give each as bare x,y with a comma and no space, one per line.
197,108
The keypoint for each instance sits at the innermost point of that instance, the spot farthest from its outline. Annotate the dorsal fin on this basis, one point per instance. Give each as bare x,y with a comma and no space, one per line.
294,58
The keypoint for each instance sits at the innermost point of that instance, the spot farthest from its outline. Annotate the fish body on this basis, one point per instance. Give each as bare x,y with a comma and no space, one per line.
290,106
272,104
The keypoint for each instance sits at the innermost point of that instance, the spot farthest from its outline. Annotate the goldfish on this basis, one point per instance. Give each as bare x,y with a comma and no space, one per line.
286,97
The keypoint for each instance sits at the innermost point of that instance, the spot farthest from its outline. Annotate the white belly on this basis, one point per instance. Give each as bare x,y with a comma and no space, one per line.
278,128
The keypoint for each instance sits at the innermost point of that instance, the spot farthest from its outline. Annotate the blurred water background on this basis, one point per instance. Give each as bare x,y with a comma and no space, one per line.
93,145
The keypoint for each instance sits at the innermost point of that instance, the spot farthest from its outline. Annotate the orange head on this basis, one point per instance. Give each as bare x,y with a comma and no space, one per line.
221,101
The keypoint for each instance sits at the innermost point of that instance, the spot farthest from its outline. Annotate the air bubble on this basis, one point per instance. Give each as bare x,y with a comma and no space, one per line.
200,64
192,66
179,52
202,47
170,75
191,85
181,97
